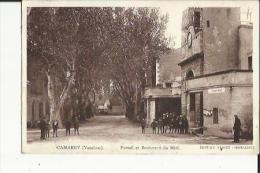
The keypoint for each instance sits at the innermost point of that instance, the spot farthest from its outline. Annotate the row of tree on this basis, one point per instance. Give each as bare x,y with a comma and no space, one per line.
81,50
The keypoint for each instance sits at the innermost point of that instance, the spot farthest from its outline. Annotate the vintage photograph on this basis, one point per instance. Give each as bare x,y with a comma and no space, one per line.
169,77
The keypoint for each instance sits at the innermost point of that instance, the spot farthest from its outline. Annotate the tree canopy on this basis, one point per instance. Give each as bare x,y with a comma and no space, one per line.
84,49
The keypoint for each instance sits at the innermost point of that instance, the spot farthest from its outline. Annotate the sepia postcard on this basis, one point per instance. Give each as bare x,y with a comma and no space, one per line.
140,77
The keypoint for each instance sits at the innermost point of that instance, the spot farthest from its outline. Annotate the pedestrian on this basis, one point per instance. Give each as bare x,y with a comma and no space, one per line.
185,124
160,125
172,122
143,124
42,126
180,124
47,129
176,124
55,125
237,129
76,125
154,125
163,122
67,126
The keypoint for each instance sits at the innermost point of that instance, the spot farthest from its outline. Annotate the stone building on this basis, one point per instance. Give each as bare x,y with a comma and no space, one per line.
216,70
37,100
165,96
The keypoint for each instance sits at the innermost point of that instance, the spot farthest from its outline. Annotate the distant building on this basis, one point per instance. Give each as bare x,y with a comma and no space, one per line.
37,100
110,105
166,95
216,70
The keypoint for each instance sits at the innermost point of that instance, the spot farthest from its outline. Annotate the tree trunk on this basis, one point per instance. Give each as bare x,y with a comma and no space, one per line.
138,101
130,109
56,104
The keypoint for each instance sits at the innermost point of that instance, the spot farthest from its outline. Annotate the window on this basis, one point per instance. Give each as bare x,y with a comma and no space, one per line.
208,24
250,63
215,115
197,19
190,74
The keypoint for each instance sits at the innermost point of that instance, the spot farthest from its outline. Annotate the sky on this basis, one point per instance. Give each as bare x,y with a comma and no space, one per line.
174,25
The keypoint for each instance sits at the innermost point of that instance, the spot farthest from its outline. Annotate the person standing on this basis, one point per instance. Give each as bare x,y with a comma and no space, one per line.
143,124
154,125
76,125
160,125
172,122
237,129
181,127
55,128
67,126
47,129
42,126
163,123
185,124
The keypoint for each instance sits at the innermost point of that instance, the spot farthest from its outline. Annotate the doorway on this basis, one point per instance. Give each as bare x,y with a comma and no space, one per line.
196,110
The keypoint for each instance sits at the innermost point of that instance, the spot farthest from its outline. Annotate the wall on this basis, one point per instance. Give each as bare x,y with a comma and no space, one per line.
231,78
150,111
188,26
221,101
220,40
37,99
196,66
234,98
168,69
245,45
242,105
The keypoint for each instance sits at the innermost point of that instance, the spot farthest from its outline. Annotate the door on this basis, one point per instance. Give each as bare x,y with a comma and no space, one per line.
199,111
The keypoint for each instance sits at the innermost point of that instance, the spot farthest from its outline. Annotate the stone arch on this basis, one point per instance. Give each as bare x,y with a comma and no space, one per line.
190,74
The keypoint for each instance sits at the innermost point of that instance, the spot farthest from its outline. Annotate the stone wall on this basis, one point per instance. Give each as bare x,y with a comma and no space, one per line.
245,45
230,93
35,101
220,38
196,66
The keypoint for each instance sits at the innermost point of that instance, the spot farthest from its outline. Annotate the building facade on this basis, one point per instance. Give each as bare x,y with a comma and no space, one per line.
165,97
37,99
216,70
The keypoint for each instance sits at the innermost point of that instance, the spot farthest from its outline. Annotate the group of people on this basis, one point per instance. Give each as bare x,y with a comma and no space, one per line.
171,123
75,123
168,122
45,127
179,124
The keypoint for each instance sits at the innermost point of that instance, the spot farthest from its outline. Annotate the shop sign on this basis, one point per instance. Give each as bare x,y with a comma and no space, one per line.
216,90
